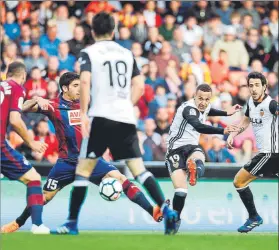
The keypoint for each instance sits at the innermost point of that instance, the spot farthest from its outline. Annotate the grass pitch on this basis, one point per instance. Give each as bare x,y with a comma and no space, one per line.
140,241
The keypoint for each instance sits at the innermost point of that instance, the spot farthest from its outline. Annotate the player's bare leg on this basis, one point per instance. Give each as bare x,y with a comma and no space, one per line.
20,221
135,195
241,183
147,179
35,200
179,180
196,168
83,171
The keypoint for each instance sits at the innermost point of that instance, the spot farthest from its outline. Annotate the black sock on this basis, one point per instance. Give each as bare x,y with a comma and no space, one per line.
78,195
149,182
200,168
248,201
179,200
23,217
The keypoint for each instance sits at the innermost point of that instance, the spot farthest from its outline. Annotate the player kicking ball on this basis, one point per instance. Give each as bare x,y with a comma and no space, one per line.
64,112
262,113
13,164
185,158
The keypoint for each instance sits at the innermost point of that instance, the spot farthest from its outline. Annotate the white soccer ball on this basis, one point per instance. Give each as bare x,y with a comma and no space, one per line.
110,189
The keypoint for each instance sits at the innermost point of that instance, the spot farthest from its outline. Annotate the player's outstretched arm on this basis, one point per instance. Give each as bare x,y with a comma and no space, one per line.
20,127
231,111
34,104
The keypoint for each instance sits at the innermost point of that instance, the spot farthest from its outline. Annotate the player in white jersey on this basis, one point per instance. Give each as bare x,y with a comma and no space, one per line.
184,156
262,113
111,82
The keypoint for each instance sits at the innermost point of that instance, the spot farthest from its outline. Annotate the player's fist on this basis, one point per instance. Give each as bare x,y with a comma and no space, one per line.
85,125
234,109
38,146
230,142
231,129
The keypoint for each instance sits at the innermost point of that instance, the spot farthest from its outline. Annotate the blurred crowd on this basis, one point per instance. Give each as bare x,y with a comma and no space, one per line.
177,46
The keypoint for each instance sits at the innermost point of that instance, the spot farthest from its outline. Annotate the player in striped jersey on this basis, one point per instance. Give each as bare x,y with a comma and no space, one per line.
262,113
184,156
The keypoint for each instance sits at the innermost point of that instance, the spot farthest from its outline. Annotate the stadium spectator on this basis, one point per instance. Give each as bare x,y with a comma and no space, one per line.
36,85
75,9
273,23
245,153
248,8
127,16
246,25
144,101
220,68
139,32
166,30
164,58
159,153
179,47
188,92
202,11
35,59
177,11
139,121
49,42
11,27
24,42
219,153
45,12
78,42
153,45
212,30
266,38
42,133
152,18
257,66
66,60
225,11
236,23
9,55
137,52
253,47
52,90
98,6
171,106
172,78
192,33
86,24
124,38
65,26
34,21
237,53
196,67
52,68
162,123
272,79
152,77
243,95
23,11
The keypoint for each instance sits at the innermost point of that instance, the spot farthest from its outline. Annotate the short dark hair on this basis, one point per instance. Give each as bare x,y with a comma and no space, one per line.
103,24
16,69
257,75
67,78
204,88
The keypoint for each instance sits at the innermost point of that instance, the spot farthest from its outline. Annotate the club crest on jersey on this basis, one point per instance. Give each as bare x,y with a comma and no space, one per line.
193,112
74,117
261,112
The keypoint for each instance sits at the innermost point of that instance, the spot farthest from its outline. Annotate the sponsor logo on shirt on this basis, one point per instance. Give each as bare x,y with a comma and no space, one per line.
74,117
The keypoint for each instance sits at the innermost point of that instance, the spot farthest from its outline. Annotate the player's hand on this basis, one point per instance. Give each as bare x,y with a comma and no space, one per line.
230,142
38,146
44,104
85,125
231,129
234,109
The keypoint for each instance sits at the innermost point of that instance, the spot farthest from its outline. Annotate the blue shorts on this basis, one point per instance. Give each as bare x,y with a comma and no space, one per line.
63,174
13,164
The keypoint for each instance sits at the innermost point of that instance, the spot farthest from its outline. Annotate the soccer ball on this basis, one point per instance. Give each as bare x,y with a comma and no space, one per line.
110,189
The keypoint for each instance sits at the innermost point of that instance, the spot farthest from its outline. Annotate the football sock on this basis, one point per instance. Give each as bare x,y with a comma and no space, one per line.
200,168
149,182
136,196
23,217
35,201
179,200
248,201
78,195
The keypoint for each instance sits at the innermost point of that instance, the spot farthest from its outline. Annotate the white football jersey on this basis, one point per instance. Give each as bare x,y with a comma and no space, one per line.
112,68
181,133
265,125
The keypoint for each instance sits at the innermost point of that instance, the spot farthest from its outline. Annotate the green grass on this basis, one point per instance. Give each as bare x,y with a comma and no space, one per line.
140,241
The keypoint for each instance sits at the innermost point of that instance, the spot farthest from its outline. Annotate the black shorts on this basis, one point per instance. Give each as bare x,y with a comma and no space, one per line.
121,138
263,165
177,158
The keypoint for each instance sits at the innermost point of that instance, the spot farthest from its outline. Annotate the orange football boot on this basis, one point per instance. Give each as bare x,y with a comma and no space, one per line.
10,227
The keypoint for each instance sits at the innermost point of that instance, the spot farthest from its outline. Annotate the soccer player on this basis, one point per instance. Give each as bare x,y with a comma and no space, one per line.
109,75
13,164
185,158
64,112
262,113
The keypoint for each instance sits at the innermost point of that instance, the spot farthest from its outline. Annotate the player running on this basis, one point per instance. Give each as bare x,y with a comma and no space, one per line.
64,112
13,164
185,158
110,74
262,112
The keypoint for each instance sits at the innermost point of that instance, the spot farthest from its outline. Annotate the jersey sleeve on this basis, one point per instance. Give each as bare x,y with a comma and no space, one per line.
191,115
217,112
17,99
247,110
85,63
136,71
273,107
